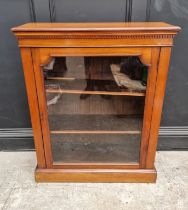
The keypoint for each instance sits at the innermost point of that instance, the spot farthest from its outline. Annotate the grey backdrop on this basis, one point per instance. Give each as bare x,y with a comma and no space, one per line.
15,132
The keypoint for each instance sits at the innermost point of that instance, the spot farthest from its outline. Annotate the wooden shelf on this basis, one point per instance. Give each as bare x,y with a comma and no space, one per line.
61,78
95,92
70,85
93,132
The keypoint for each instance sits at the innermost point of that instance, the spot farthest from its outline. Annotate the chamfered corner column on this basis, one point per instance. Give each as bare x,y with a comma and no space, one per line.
30,83
158,104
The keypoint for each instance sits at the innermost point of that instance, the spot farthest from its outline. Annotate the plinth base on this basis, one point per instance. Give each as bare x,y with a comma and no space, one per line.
96,175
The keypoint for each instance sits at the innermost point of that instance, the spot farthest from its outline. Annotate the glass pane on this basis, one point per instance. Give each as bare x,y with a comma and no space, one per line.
95,108
95,148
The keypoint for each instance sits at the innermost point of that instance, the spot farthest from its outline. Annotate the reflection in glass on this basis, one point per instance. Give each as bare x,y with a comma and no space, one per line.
95,148
95,108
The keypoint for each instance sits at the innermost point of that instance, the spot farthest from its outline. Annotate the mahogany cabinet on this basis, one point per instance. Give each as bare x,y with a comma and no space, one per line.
95,93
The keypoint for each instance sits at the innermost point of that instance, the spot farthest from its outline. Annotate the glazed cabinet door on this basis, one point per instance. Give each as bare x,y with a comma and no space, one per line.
95,105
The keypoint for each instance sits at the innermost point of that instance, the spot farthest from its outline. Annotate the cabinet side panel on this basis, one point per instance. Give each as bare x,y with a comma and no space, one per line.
33,104
158,103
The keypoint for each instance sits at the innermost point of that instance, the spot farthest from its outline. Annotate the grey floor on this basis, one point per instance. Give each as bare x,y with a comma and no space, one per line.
18,189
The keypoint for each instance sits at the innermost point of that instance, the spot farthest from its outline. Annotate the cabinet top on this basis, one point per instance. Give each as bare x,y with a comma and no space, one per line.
120,26
132,34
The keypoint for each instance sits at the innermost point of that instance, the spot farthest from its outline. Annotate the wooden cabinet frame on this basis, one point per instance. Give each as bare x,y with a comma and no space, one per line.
39,43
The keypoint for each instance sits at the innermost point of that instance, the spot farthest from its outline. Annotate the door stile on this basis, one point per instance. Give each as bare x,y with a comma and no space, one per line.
148,110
